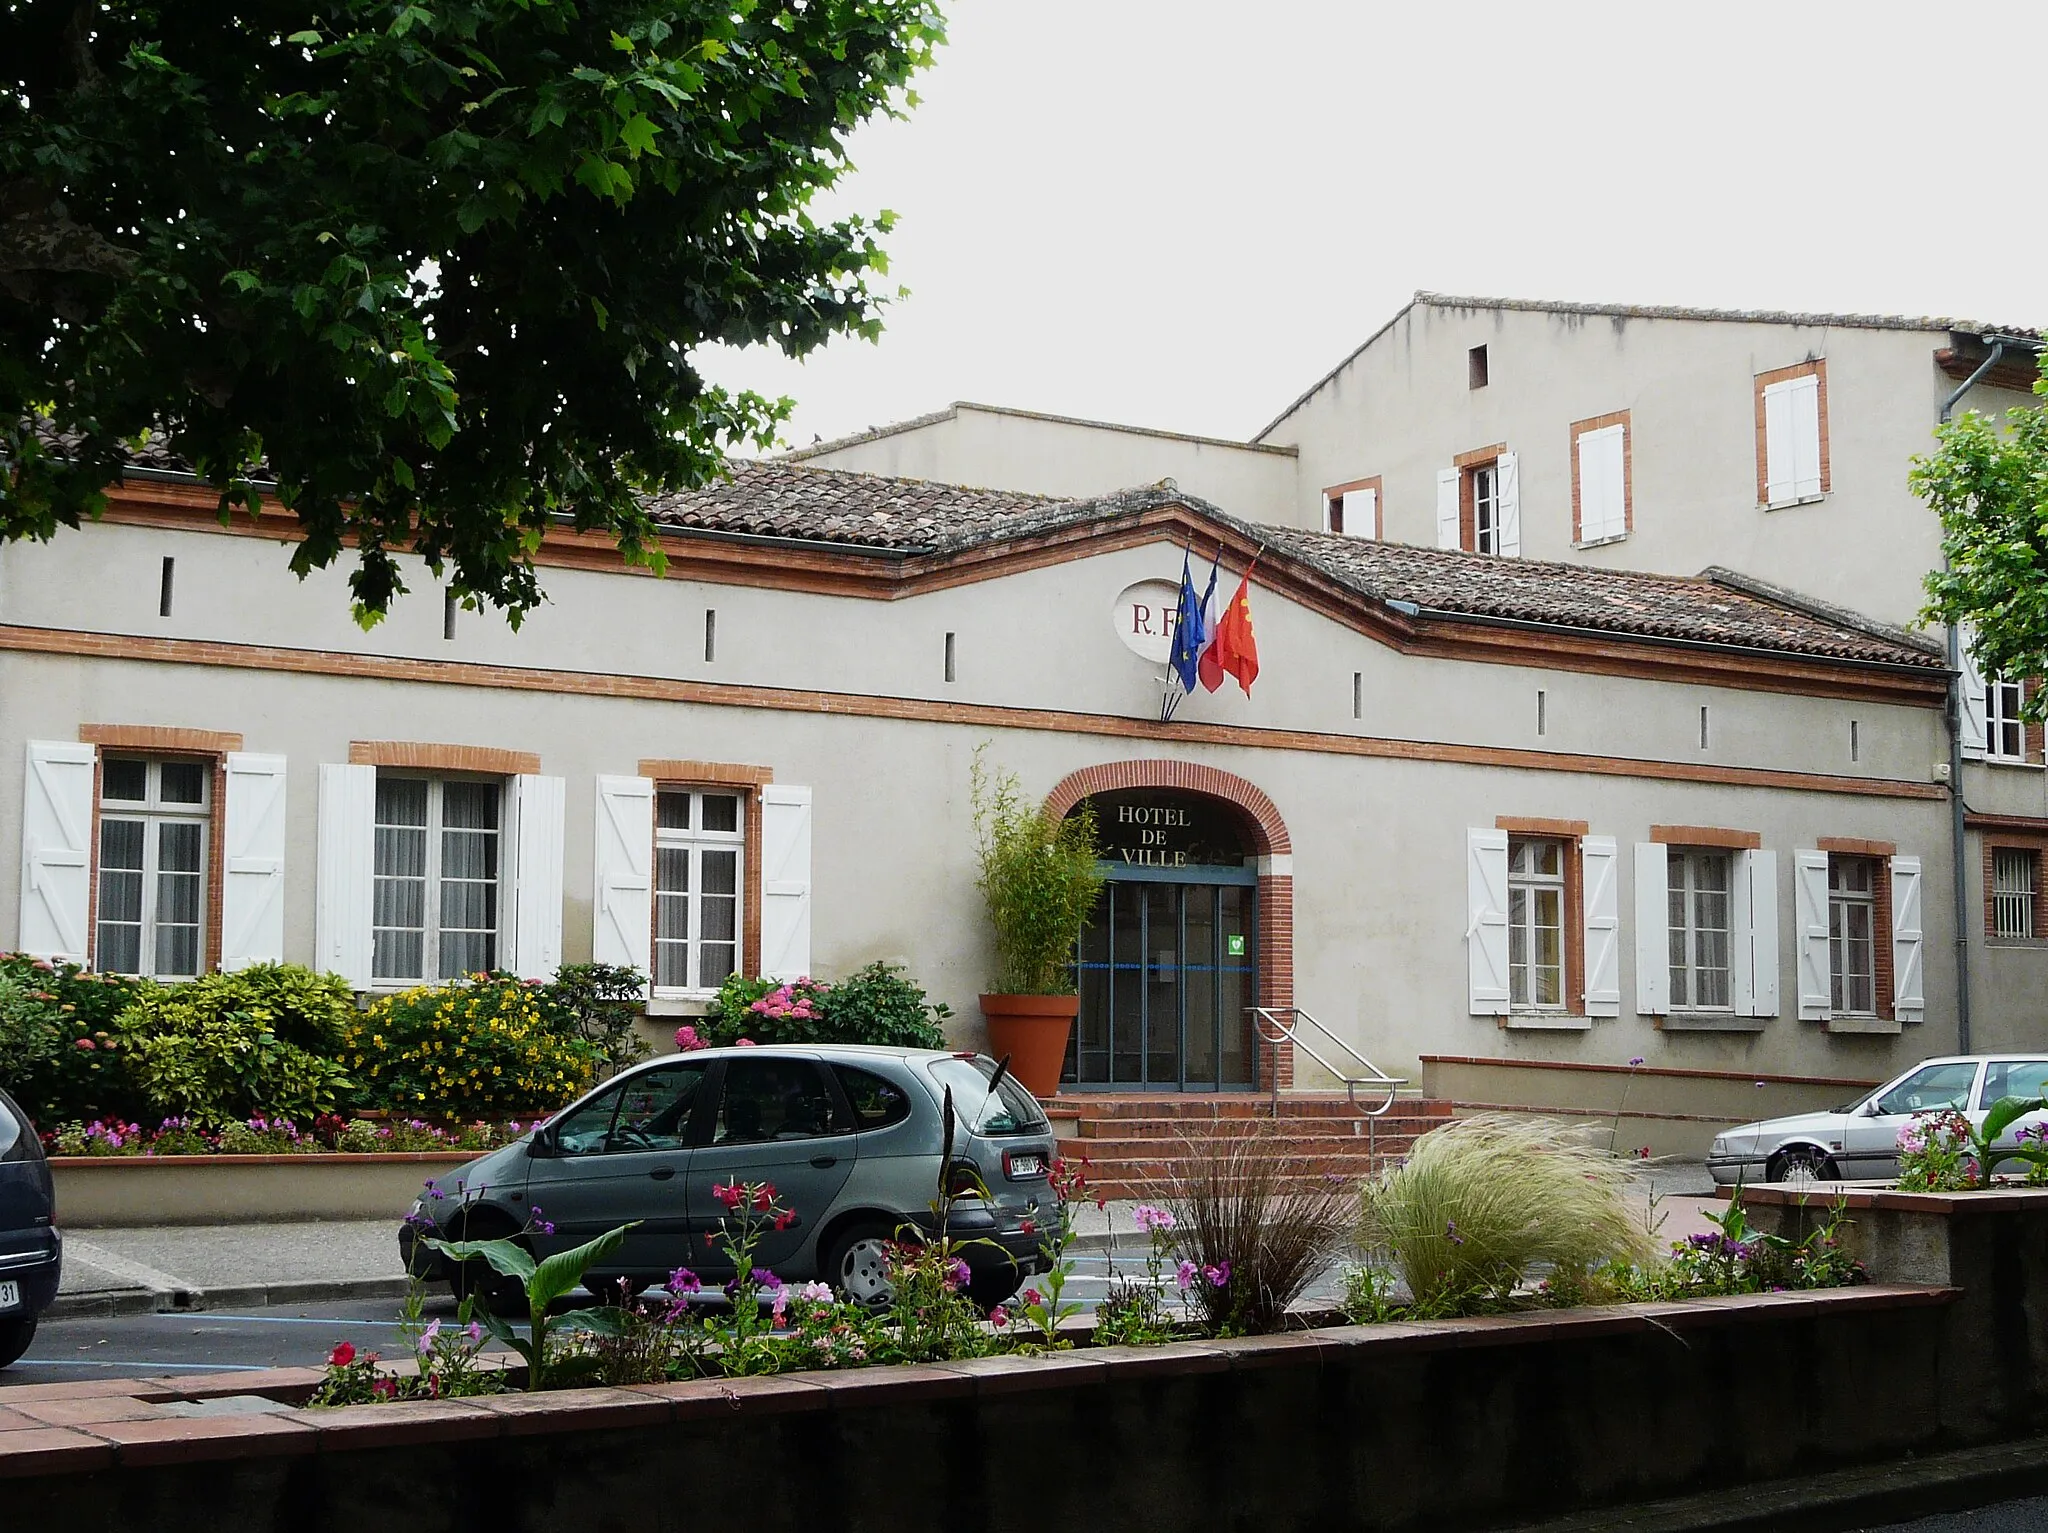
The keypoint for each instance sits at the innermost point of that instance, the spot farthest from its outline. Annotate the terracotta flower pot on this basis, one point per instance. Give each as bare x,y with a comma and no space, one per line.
1032,1030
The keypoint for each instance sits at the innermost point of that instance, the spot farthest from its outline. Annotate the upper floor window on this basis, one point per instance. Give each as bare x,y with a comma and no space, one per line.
1601,503
1792,434
1536,869
1353,509
2005,732
1475,368
436,898
1479,503
154,819
699,868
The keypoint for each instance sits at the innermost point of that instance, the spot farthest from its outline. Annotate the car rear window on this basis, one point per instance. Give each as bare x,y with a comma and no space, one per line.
2014,1078
1009,1109
876,1103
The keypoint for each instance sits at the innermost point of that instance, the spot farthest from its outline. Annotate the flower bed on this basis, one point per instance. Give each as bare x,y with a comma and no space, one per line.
326,1135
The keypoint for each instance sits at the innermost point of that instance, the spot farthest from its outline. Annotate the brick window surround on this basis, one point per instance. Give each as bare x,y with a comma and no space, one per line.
1628,467
1817,368
482,759
749,780
1333,508
1880,852
1270,842
2036,849
209,745
1465,463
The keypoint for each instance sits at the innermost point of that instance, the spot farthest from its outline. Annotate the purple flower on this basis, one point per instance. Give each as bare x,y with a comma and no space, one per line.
475,1333
539,1225
763,1278
1451,1232
1184,1274
683,1280
426,1342
1146,1217
1218,1275
1636,1061
957,1274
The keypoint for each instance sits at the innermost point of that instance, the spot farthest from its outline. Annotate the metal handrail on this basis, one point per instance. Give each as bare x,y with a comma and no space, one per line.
1287,1032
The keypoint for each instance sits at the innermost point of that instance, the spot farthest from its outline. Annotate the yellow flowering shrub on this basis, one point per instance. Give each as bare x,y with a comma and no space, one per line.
489,1046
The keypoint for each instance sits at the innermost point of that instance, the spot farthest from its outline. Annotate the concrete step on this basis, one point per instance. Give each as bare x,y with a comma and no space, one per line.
1111,1105
1163,1147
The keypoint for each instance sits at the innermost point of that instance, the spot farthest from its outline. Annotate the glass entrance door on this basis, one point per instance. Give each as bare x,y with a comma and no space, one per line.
1166,968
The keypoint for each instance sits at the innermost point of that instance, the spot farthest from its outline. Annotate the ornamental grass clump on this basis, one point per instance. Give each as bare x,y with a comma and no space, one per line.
1253,1225
1482,1202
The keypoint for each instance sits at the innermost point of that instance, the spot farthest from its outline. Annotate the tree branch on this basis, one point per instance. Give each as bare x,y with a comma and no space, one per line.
78,44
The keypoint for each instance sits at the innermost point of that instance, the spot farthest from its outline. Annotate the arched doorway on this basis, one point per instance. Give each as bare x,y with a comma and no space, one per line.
1168,962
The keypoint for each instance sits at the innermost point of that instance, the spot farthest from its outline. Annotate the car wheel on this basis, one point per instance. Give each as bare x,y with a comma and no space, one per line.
857,1264
500,1294
1801,1163
15,1335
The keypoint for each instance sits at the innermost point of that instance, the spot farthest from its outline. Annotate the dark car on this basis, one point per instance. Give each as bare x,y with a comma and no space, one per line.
850,1136
31,1250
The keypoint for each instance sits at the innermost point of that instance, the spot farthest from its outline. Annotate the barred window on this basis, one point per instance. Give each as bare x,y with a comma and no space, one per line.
2012,892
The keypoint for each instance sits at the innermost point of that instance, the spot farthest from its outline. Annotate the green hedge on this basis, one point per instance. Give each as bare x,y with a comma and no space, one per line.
876,1005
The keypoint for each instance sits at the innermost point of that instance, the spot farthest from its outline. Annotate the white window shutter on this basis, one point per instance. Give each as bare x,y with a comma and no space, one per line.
1810,910
1603,507
1756,875
622,903
1804,395
1909,999
537,876
1508,485
1600,863
785,881
56,850
1486,927
1448,532
1778,471
345,872
1653,926
1975,727
252,861
1361,513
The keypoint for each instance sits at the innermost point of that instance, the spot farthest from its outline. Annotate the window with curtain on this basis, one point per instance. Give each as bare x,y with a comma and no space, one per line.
1535,923
1699,925
154,819
699,875
436,895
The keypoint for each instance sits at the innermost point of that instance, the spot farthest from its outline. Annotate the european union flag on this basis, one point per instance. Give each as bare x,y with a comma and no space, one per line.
1190,630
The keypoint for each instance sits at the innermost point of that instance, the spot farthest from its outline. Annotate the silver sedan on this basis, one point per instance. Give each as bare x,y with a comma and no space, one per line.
1860,1141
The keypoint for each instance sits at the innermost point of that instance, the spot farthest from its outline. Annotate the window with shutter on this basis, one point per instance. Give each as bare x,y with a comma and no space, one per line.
785,881
252,861
1908,942
1486,926
1653,910
1600,861
155,821
700,884
56,835
345,870
1449,512
1600,487
1972,695
1353,509
622,864
438,877
1792,434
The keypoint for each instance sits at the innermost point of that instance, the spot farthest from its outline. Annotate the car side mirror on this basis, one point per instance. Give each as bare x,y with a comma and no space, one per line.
542,1145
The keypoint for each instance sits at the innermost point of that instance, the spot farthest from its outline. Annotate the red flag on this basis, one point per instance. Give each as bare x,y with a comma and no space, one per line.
1233,651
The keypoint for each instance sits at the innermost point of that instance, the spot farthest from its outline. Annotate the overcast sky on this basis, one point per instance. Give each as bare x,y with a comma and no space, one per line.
1181,213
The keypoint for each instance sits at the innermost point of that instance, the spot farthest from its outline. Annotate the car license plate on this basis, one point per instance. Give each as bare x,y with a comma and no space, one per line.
1024,1164
10,1295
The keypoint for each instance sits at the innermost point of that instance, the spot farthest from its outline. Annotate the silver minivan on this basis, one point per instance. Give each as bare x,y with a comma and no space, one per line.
1860,1140
849,1135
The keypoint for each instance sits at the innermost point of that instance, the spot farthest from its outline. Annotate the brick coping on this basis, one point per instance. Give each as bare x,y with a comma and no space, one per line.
309,1158
99,1424
2007,1196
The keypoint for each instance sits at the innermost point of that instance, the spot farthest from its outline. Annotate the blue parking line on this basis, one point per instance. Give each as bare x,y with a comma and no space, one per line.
74,1362
200,1314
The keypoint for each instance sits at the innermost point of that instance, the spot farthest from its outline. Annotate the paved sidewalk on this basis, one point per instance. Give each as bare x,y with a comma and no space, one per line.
138,1271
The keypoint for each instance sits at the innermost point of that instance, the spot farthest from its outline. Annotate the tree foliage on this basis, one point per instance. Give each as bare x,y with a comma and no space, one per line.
1989,485
436,269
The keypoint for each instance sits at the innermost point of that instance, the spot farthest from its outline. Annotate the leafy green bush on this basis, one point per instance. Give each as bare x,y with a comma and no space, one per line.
1482,1201
222,1048
604,1000
494,1047
877,1005
59,1057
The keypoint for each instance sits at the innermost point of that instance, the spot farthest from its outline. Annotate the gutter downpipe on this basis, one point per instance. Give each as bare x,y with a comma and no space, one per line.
1957,834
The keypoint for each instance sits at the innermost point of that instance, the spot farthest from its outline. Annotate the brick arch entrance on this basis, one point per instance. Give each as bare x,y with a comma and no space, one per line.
1265,832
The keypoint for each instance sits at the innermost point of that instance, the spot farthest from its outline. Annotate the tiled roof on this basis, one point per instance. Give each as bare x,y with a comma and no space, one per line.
1700,609
784,500
773,499
952,411
1732,316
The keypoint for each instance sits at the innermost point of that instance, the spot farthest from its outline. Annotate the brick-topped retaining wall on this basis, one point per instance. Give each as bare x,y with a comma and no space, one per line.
1440,1426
